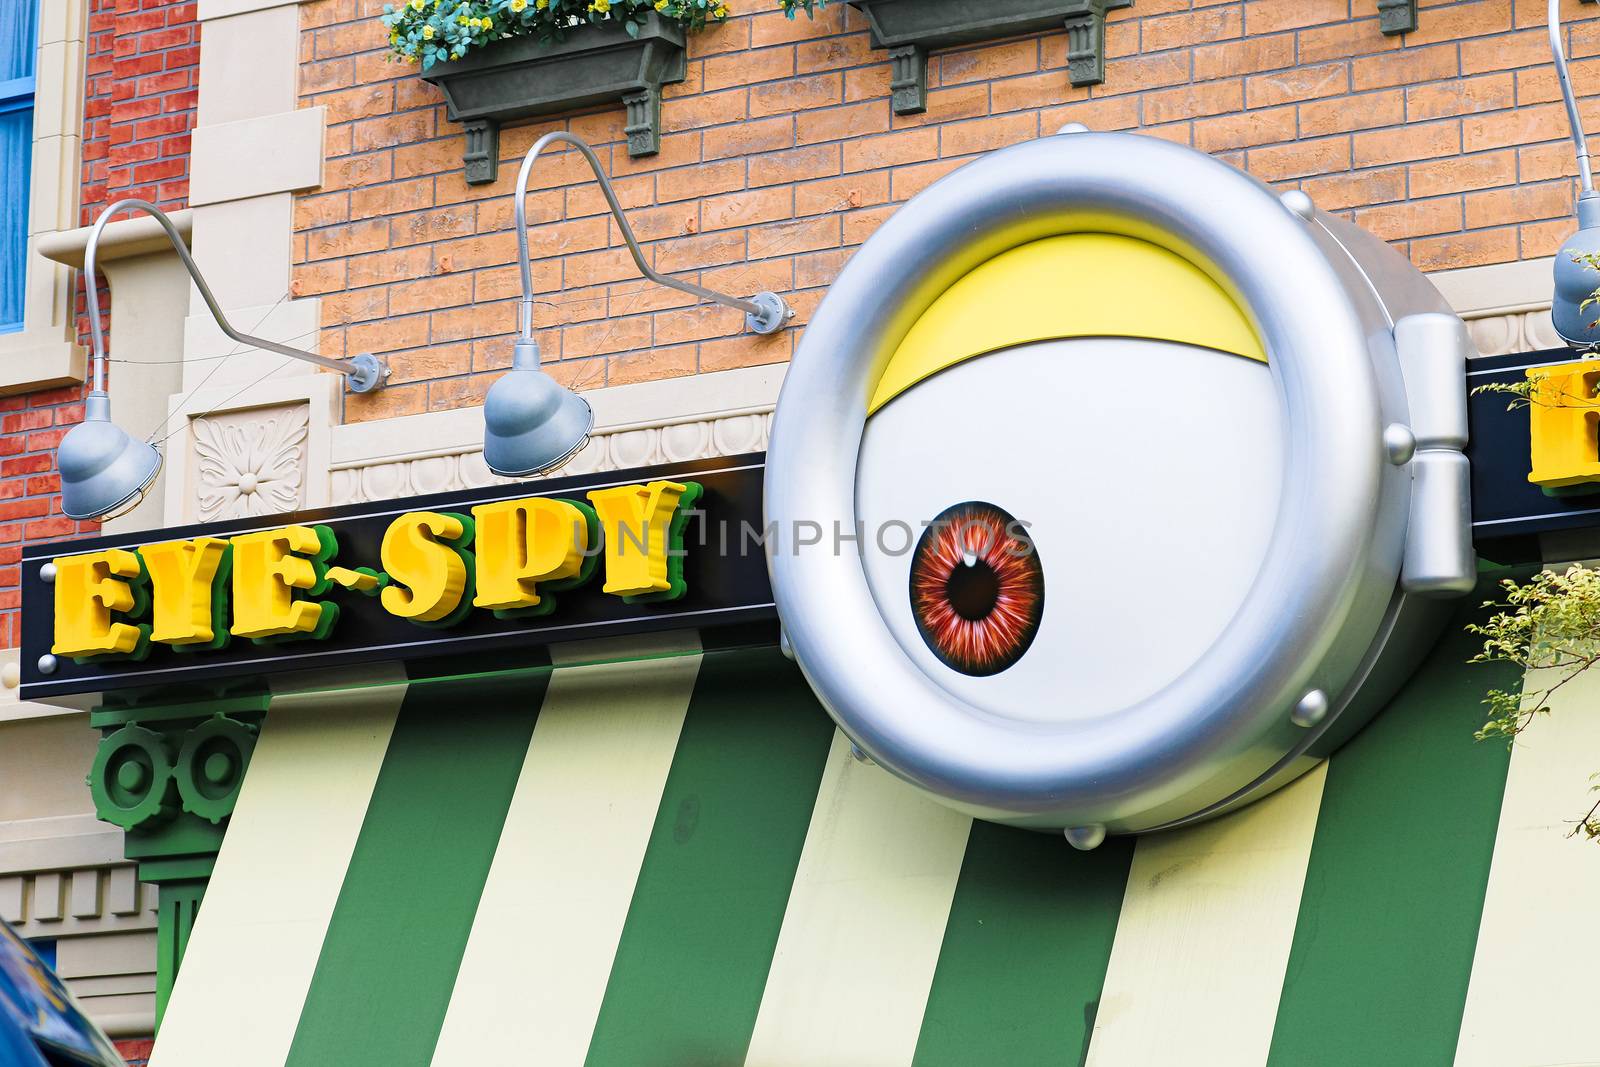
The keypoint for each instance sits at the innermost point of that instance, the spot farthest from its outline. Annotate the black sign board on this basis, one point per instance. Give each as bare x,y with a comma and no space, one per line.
1508,511
724,570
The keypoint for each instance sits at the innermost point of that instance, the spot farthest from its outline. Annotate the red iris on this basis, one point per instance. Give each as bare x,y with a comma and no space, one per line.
977,590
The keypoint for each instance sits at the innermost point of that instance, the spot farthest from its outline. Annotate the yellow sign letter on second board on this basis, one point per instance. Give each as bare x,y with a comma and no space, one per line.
421,553
636,522
1564,424
182,574
521,544
89,588
269,567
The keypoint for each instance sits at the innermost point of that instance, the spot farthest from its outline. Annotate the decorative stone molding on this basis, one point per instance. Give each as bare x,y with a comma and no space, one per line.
1516,331
251,462
636,447
77,902
64,879
719,414
259,451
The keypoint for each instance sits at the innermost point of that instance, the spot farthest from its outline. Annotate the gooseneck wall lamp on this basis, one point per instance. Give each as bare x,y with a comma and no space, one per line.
531,423
104,470
1577,263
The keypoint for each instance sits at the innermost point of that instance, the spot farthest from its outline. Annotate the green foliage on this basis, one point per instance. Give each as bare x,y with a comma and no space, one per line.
1539,391
1592,261
1549,623
435,31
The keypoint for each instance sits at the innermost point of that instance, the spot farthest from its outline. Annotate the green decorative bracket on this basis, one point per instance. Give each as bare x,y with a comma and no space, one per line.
1397,16
169,776
523,78
910,29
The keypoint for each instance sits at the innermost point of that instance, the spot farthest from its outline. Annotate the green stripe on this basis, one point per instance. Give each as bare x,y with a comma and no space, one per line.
1394,889
693,959
389,960
1025,950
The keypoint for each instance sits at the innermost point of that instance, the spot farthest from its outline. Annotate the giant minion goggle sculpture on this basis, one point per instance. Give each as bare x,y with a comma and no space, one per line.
1145,486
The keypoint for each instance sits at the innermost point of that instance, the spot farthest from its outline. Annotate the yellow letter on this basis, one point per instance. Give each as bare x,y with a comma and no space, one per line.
88,589
422,552
1564,424
183,589
268,568
640,531
523,544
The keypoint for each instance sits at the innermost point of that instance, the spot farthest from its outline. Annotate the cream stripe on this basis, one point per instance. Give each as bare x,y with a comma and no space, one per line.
1204,937
865,920
1531,997
542,942
259,932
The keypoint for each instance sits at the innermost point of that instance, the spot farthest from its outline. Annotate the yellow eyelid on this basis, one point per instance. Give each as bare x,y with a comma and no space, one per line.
1076,285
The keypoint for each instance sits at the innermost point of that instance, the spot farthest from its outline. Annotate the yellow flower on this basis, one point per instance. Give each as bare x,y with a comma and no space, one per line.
519,5
416,5
601,6
721,12
427,33
541,4
661,5
488,24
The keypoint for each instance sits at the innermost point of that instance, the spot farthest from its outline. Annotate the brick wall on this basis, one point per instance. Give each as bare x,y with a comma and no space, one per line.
141,85
781,154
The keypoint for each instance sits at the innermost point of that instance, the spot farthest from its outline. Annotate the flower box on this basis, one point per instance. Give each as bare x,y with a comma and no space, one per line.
524,78
909,29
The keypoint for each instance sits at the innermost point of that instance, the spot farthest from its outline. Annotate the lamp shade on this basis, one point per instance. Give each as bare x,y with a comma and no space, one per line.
103,470
1577,277
532,423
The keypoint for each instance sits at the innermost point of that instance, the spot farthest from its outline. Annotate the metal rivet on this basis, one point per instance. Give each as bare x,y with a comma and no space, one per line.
1074,127
47,664
1085,838
218,768
132,776
1311,710
1400,443
1299,203
858,754
47,573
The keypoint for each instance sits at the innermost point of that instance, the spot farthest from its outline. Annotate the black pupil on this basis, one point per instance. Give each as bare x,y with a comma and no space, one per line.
973,589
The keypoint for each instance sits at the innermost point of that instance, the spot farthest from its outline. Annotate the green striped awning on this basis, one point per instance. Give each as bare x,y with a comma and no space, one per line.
676,861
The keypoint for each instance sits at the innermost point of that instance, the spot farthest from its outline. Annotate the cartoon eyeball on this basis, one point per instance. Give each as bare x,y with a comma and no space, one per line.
1143,486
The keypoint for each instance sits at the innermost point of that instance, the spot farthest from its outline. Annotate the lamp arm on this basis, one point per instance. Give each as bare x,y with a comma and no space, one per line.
1579,140
364,371
765,313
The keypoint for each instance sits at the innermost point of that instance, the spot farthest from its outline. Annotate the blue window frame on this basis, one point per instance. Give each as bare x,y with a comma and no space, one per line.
19,28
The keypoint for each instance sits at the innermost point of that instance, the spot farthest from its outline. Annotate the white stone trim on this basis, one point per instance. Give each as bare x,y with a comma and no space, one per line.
217,9
1506,305
45,351
279,153
188,478
716,414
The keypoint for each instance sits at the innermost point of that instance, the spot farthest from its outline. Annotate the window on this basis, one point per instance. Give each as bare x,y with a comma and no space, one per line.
18,44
